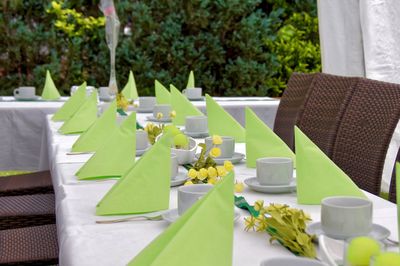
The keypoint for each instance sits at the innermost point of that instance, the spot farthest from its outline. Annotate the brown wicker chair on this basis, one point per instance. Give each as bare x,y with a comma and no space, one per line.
290,106
33,183
35,245
365,131
24,211
324,107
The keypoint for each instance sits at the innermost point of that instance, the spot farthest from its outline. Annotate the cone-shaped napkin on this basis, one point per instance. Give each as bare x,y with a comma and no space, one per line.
72,105
317,176
144,187
115,156
175,245
190,83
261,141
163,96
96,135
182,106
83,118
50,91
221,122
130,90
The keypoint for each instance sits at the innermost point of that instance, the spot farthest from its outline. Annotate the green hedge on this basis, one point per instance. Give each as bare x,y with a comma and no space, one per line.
235,47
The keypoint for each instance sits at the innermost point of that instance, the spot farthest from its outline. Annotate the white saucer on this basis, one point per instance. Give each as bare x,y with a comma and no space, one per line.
199,135
180,179
141,152
253,183
172,215
154,119
237,157
378,232
34,98
144,110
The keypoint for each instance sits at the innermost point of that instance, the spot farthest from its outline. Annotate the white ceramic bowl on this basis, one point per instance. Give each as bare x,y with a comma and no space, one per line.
186,156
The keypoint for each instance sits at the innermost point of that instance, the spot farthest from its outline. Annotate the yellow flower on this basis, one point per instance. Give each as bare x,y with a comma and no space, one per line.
187,183
259,205
239,187
172,114
261,223
212,172
215,152
249,222
159,116
202,174
212,181
221,171
55,5
192,173
228,166
217,140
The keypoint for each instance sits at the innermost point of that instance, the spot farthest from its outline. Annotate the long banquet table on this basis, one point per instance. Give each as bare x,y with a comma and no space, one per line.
22,125
83,242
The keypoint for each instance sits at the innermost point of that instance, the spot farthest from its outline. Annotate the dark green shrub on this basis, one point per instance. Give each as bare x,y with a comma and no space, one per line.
234,46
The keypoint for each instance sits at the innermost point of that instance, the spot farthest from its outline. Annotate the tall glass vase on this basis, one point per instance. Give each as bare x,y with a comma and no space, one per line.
112,31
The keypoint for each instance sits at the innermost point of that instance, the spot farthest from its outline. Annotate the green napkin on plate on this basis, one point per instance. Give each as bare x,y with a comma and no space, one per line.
115,156
203,235
163,96
190,83
182,106
317,176
144,187
220,122
261,141
130,90
95,136
50,91
83,118
72,105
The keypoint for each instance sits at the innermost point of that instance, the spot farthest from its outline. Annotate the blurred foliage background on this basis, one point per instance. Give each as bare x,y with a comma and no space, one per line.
235,47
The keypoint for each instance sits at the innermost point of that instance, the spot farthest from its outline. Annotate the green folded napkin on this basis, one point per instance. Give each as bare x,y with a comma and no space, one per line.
398,198
261,141
182,106
115,156
72,105
190,83
130,90
220,122
96,135
163,96
317,176
144,187
50,91
83,118
203,235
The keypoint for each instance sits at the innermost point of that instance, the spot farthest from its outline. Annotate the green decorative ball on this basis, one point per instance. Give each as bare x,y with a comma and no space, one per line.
181,140
361,249
387,259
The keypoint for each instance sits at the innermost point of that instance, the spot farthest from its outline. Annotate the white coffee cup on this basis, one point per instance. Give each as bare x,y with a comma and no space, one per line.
104,94
174,166
193,93
25,92
147,103
89,90
196,124
164,109
272,171
188,195
227,147
142,141
344,217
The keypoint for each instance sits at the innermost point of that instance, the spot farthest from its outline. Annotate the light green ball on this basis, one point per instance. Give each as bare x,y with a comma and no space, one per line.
181,140
173,130
387,259
361,249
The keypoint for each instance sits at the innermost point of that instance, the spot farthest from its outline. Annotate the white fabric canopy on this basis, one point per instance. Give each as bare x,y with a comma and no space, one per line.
360,38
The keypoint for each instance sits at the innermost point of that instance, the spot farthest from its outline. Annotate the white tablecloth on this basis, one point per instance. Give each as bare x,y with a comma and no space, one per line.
83,242
22,127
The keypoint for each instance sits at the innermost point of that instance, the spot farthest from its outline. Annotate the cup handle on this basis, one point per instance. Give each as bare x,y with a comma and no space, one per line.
16,92
184,91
